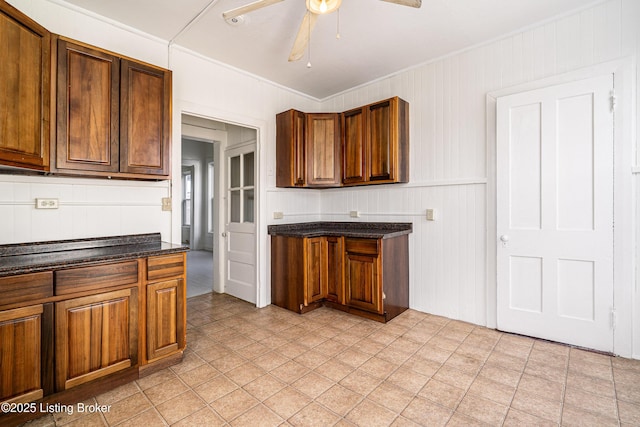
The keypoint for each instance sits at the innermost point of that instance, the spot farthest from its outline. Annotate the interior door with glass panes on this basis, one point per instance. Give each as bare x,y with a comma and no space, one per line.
240,235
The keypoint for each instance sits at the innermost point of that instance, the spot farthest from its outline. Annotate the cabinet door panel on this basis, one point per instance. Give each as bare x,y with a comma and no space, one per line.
335,270
290,154
380,142
25,91
316,261
354,147
20,355
323,149
87,113
145,119
363,276
165,318
96,336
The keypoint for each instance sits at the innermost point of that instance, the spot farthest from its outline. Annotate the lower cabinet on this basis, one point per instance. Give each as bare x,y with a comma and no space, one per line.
23,337
363,274
368,277
96,336
165,318
335,269
316,268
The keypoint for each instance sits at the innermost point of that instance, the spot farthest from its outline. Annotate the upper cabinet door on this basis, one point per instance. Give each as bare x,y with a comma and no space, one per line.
87,113
323,150
354,146
387,132
380,133
25,90
290,149
145,119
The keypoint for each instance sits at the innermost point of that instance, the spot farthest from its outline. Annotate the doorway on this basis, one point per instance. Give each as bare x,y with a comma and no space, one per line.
197,209
224,255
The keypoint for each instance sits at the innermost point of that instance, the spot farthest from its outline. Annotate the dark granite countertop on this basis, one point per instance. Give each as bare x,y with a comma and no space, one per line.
43,256
369,230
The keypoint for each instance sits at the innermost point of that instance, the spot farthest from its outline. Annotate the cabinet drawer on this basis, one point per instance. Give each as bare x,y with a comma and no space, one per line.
159,267
96,277
26,287
362,246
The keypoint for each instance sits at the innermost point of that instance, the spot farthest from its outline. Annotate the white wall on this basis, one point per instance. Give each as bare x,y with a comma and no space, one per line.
449,172
449,152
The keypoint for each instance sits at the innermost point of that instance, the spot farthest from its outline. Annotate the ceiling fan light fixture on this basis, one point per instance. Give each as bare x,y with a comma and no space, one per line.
321,7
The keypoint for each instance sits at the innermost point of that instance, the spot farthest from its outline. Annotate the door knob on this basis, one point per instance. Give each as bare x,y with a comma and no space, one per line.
224,234
504,239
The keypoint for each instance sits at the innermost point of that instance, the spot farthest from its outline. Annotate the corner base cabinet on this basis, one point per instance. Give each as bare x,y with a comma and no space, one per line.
364,276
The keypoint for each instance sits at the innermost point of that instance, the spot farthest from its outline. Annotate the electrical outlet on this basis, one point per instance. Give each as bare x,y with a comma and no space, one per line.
354,214
278,215
46,203
166,203
431,214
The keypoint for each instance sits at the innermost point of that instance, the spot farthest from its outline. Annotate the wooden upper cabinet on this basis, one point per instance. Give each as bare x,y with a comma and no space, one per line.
376,143
290,154
323,150
113,114
145,116
88,109
308,152
366,145
25,90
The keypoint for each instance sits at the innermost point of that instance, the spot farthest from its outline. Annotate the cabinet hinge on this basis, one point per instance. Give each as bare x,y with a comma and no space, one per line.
612,99
614,319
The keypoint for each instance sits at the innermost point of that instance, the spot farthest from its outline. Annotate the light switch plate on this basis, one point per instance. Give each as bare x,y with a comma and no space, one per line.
431,214
46,203
354,214
166,203
278,215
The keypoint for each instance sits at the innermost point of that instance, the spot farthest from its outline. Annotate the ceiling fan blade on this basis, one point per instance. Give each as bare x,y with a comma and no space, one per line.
410,3
248,8
302,39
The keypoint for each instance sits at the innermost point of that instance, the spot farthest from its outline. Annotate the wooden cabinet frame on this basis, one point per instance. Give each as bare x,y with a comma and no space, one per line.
365,145
308,150
113,114
368,277
25,91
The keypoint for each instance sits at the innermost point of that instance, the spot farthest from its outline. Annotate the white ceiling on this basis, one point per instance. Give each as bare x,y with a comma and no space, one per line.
376,38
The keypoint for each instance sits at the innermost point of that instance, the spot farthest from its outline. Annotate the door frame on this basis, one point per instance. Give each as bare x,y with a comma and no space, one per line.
626,333
193,168
263,295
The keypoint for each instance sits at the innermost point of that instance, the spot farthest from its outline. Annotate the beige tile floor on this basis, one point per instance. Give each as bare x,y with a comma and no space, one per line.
268,367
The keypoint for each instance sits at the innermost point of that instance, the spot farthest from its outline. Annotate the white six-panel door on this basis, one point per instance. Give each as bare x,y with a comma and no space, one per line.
554,195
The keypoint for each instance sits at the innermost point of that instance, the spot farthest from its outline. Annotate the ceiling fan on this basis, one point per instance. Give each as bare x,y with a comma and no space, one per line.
314,9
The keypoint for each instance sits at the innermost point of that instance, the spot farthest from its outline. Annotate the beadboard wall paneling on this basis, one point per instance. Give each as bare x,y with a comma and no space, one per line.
297,205
447,256
87,208
448,143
